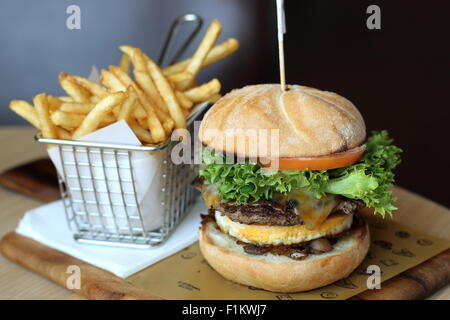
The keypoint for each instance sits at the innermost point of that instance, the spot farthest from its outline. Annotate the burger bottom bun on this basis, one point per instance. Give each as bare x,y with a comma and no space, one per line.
280,273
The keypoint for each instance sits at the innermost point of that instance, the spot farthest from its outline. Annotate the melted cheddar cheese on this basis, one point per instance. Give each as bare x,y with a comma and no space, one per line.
313,211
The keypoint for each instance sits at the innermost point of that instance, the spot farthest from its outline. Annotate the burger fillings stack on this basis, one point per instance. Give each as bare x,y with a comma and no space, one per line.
295,228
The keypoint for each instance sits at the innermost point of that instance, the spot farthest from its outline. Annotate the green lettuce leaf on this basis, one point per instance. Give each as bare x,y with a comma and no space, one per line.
368,180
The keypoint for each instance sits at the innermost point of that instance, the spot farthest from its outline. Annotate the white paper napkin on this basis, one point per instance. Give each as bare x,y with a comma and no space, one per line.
47,224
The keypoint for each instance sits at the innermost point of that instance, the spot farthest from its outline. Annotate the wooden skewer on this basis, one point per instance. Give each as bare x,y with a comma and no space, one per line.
281,30
281,62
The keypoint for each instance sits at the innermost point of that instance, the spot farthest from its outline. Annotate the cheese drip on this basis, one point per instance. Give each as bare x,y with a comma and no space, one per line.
311,210
210,195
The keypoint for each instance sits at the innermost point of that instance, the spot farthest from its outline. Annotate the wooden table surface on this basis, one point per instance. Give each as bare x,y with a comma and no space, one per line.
17,146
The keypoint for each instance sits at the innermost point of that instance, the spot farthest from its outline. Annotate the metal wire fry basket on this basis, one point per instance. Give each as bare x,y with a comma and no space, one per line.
98,186
101,201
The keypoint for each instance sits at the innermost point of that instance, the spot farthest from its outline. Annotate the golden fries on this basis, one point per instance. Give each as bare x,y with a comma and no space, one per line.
75,91
217,53
125,63
48,129
202,51
76,107
63,134
146,83
143,77
177,79
93,118
152,101
54,103
167,93
66,99
110,81
128,105
214,98
142,133
203,92
154,122
183,100
95,89
26,111
67,120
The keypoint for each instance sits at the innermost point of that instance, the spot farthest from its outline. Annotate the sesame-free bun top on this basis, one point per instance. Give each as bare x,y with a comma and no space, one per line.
311,122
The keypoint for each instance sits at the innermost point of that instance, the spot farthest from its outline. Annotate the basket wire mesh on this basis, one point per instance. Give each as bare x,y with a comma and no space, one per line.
97,213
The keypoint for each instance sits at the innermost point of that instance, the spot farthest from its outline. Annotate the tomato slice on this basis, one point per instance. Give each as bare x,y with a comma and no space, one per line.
332,161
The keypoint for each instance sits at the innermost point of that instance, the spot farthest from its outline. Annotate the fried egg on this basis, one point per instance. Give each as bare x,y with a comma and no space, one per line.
276,235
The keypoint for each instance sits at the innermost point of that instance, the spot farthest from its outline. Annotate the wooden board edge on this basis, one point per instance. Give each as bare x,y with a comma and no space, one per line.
416,283
52,264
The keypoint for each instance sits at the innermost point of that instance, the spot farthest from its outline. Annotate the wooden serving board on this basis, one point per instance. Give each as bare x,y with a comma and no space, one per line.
416,283
36,179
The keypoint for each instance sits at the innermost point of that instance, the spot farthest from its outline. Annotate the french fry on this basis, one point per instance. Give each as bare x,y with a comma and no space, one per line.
154,121
200,54
54,103
183,100
65,99
63,134
140,132
125,63
128,105
178,78
167,125
146,83
217,53
137,58
67,120
214,98
94,88
143,123
70,121
95,99
48,129
142,76
76,107
93,118
75,91
205,46
153,104
110,81
167,93
139,112
108,119
26,111
203,92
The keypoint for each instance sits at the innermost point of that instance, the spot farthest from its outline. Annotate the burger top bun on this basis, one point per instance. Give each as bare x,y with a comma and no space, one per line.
311,122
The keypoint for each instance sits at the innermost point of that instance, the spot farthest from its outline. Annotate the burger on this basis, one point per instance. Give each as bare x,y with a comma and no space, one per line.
288,221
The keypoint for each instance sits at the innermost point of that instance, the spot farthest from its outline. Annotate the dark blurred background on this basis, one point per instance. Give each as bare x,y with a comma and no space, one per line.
397,76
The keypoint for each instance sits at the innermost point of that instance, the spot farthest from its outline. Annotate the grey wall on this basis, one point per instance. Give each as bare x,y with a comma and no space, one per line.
36,44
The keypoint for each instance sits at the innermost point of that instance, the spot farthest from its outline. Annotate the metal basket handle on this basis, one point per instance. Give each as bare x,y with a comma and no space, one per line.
187,18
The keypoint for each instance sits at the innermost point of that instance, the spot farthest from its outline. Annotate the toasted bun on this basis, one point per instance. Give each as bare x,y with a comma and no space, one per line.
280,273
311,122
